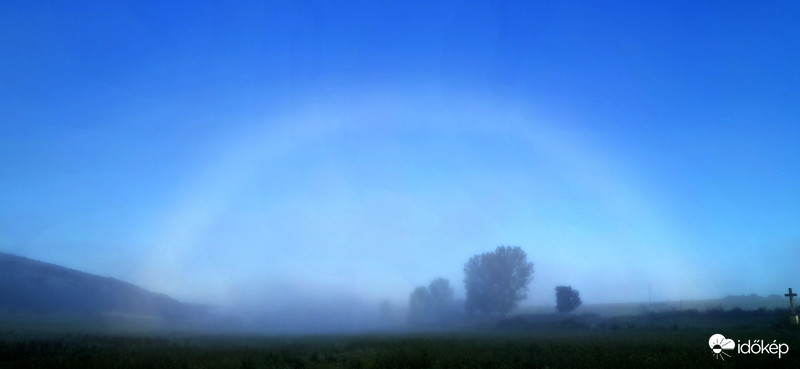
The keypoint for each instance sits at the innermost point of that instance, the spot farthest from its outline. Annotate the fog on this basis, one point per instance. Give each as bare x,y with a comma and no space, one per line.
305,168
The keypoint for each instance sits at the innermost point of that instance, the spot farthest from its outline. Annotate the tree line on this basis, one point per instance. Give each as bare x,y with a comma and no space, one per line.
495,282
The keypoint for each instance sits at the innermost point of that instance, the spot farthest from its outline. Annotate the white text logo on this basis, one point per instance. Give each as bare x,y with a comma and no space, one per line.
719,344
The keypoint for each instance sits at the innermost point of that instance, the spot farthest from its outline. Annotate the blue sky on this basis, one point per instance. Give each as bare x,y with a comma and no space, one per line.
209,150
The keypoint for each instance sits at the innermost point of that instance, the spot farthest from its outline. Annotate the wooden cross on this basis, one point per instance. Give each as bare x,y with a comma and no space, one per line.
790,295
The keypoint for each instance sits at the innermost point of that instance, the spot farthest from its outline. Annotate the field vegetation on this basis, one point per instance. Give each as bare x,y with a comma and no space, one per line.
656,340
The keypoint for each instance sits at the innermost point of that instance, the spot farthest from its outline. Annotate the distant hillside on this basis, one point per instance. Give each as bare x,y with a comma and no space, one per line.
31,287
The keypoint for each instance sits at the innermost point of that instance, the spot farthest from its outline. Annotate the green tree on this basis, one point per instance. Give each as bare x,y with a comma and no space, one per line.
418,304
441,294
496,281
567,299
429,305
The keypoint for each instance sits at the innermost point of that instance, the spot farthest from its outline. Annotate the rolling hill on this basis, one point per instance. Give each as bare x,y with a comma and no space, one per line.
30,287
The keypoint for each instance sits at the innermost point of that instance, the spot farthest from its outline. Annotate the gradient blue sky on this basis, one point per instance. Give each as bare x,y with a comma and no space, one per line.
217,151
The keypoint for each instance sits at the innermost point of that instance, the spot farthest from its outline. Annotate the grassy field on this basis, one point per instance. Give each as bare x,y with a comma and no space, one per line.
615,345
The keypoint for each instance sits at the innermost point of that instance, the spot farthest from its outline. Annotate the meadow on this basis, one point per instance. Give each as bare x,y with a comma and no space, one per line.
656,341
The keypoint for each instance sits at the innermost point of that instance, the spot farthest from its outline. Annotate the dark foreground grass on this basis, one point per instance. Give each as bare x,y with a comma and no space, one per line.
541,349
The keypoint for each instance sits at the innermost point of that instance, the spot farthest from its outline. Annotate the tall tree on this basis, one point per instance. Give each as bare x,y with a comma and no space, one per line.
496,281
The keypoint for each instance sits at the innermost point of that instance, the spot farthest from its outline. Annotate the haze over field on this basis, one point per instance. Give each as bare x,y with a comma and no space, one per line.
284,154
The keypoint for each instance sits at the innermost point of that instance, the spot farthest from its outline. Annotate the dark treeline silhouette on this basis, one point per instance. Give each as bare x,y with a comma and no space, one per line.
495,282
652,320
